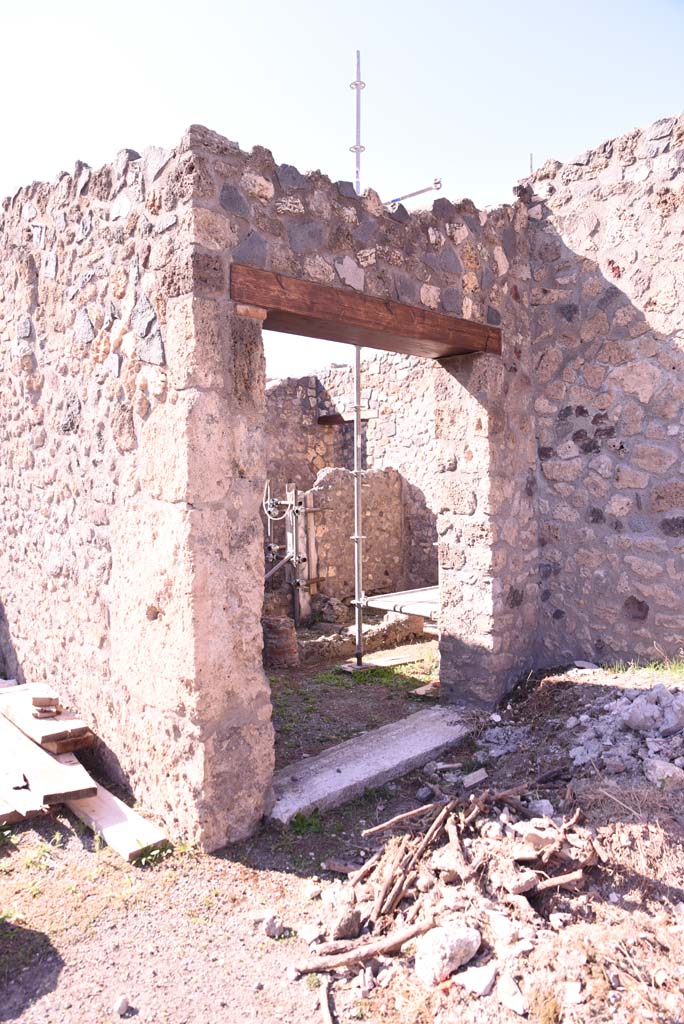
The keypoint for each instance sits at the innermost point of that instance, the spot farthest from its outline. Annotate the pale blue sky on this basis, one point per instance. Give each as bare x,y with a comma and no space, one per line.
458,90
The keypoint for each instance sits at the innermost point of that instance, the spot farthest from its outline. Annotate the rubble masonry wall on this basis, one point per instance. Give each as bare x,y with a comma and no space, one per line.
133,435
454,259
606,299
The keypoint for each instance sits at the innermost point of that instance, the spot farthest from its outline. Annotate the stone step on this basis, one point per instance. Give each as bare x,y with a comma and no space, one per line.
364,762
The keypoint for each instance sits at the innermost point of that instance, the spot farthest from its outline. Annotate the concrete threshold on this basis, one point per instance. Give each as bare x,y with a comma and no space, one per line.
364,762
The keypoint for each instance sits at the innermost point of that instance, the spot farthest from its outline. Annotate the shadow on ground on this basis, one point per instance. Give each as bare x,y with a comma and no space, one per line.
23,949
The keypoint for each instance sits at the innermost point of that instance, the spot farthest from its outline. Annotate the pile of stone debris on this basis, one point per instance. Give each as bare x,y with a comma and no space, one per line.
636,731
458,912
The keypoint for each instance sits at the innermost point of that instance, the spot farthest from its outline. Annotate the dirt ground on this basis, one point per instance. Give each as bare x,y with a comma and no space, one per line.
319,706
184,939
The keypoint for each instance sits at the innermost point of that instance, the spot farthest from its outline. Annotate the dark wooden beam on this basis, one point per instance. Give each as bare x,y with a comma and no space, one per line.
340,314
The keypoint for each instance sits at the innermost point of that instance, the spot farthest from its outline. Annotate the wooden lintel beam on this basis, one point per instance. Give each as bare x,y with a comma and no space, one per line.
341,314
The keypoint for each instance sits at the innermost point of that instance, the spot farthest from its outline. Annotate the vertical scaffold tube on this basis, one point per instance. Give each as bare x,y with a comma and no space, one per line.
358,519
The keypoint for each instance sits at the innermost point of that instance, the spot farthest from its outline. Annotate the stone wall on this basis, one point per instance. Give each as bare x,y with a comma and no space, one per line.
606,245
398,432
457,260
134,435
116,371
383,528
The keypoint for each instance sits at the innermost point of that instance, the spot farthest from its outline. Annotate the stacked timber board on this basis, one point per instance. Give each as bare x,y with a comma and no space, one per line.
38,769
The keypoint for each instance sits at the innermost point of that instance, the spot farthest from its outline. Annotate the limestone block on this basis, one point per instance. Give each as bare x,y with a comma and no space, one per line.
257,186
212,230
197,343
637,378
151,632
653,458
163,465
667,496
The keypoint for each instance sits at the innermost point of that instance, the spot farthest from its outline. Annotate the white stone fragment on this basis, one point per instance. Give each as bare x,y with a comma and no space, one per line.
663,774
442,950
478,980
350,272
121,206
121,1005
510,995
474,778
154,159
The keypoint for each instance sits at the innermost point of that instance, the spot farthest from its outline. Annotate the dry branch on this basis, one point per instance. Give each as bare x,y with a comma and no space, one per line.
387,944
567,881
398,818
325,1002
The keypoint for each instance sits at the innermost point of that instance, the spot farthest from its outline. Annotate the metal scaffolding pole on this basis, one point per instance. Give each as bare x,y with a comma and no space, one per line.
358,519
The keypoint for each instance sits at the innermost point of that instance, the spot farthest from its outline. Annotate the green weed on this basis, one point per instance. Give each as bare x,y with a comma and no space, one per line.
7,837
302,824
153,858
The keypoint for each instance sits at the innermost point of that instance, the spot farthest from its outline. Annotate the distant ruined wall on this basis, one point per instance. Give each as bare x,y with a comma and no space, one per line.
398,432
607,298
383,529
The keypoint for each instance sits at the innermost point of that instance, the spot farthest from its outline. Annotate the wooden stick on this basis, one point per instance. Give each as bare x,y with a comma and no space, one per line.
516,806
397,895
364,871
393,863
413,910
464,869
324,1002
433,831
562,830
387,944
339,867
391,822
568,881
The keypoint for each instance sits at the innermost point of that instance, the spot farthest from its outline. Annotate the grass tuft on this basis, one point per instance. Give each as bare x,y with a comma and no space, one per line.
302,824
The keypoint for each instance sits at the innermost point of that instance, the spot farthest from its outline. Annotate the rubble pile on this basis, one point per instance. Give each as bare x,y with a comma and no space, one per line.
637,731
454,888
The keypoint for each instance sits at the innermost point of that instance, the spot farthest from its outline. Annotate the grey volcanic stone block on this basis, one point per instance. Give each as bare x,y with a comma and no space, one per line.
368,760
289,177
233,201
307,237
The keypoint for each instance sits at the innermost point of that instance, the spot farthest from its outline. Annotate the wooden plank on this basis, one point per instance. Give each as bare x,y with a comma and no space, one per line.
15,791
16,705
311,547
8,814
23,801
69,746
423,602
50,780
342,314
44,697
122,828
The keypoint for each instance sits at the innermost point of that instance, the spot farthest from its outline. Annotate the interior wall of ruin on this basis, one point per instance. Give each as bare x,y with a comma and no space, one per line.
311,427
606,244
332,496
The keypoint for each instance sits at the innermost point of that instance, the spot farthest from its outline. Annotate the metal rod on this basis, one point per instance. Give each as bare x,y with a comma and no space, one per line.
358,519
358,85
434,187
296,606
279,565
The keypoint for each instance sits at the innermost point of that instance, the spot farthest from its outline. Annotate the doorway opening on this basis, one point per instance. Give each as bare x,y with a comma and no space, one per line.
350,533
